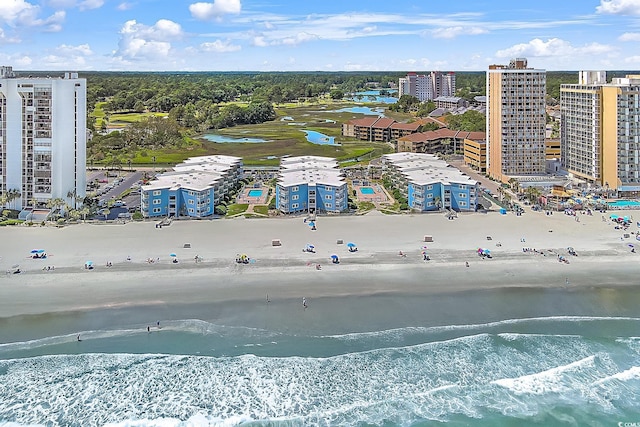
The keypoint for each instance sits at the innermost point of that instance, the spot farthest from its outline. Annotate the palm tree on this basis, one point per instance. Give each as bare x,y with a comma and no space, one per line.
12,195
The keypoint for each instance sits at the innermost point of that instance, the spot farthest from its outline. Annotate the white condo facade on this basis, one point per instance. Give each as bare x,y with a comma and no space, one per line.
42,138
427,87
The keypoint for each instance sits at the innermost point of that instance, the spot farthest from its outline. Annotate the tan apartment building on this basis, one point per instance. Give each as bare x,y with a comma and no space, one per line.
515,120
552,148
600,130
475,154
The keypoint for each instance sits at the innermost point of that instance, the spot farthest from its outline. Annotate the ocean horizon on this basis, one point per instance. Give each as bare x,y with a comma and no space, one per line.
493,357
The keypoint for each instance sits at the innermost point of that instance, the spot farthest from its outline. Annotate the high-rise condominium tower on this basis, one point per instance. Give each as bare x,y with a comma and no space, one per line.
427,87
42,138
600,130
515,120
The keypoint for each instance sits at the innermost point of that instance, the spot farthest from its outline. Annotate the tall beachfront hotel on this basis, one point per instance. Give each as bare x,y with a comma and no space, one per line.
600,130
193,188
430,184
311,184
516,120
42,137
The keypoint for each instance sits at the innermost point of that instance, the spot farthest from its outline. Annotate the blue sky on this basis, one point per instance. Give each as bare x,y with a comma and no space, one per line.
312,35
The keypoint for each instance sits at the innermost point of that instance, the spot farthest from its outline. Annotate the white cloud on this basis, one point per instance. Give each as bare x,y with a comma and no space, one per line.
297,39
453,32
632,59
619,7
163,30
219,46
124,6
80,4
83,49
20,13
630,37
141,41
260,41
215,10
554,47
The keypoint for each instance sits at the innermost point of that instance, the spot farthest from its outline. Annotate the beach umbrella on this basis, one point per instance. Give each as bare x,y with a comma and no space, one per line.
40,251
310,246
334,256
630,245
89,263
34,251
351,245
15,266
172,254
311,223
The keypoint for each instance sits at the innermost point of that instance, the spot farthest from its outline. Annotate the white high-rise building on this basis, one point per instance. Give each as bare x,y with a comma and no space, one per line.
427,87
43,137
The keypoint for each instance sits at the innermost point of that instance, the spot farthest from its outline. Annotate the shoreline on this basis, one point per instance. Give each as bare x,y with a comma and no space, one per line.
604,259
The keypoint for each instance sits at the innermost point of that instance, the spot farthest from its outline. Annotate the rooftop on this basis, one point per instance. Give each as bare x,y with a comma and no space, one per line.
424,169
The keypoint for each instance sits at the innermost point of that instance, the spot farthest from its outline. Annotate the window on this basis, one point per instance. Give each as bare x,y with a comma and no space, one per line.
429,195
462,203
327,188
157,201
295,189
191,210
295,197
294,206
328,197
156,210
462,195
429,187
157,192
190,202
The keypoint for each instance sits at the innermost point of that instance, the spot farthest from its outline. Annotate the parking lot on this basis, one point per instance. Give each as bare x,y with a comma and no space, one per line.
110,185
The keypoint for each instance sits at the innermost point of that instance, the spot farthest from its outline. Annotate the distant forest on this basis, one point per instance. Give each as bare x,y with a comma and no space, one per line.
163,91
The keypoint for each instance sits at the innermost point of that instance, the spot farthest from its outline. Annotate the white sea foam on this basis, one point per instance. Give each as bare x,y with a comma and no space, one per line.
559,379
632,373
193,326
401,384
401,332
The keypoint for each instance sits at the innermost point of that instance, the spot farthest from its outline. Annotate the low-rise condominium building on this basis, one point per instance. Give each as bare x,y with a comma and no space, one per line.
193,188
311,184
431,184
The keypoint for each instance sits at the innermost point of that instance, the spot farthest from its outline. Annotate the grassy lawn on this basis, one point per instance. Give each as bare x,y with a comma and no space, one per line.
264,210
236,208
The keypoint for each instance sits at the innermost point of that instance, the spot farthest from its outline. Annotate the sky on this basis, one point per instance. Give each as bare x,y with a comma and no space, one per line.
313,35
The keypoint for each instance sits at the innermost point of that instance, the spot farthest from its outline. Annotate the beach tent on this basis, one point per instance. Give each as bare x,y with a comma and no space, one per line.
503,211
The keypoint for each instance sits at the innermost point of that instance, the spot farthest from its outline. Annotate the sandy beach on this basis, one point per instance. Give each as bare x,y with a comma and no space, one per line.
604,259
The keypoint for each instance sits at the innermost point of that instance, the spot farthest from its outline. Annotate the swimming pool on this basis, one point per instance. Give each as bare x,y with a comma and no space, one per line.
367,190
255,193
624,203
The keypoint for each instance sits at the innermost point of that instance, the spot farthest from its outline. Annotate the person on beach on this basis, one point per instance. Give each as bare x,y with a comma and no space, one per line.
158,324
304,302
79,338
148,329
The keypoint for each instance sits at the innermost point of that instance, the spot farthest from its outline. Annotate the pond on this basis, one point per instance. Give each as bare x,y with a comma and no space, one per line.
368,111
319,138
373,96
221,139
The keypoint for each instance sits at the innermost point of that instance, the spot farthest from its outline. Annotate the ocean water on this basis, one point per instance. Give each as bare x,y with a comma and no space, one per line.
572,358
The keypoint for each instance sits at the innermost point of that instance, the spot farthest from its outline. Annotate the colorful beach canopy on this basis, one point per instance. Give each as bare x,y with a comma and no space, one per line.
37,251
334,256
172,254
351,245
